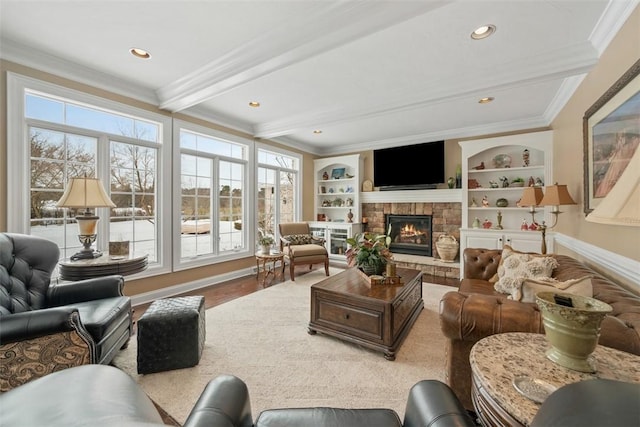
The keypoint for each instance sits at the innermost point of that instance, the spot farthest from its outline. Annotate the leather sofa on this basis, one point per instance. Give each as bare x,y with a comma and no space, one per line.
98,395
104,396
476,311
46,327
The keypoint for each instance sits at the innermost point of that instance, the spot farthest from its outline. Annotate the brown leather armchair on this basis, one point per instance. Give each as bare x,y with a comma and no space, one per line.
299,246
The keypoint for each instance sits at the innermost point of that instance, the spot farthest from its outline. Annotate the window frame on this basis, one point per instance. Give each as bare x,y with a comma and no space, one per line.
18,156
180,263
298,190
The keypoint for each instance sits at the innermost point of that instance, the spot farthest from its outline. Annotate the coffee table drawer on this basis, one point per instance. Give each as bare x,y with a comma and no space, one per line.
403,308
357,320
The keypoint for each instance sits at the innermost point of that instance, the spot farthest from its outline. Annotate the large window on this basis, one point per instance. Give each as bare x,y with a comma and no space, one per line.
278,181
213,179
67,134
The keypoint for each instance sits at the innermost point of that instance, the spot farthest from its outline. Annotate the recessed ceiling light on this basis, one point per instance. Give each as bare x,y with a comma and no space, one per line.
483,32
317,131
254,104
486,100
140,53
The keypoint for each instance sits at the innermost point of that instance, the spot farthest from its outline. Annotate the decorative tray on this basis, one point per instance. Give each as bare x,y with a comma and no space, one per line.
533,388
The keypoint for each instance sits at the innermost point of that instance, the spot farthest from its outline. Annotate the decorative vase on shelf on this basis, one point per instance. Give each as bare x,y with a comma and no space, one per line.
451,182
350,216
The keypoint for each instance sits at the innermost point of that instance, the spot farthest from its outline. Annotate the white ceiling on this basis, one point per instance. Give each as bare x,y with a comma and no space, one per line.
369,74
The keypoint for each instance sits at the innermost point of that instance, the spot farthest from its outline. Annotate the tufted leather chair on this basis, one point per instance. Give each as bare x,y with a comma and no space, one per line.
300,247
45,327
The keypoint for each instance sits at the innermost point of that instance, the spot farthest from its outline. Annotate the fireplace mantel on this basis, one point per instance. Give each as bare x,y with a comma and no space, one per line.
407,196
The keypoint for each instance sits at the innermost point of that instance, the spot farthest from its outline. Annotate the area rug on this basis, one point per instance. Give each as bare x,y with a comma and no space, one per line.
262,338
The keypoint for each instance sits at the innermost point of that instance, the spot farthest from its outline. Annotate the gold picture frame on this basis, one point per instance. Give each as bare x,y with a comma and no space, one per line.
611,133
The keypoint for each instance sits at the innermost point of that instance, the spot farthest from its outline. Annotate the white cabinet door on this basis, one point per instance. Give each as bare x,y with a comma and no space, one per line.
525,243
485,240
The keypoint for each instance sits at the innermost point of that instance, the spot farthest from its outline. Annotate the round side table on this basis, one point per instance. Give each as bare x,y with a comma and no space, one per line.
498,359
104,265
263,259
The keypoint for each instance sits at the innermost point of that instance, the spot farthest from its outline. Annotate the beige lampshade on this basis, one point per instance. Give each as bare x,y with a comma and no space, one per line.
85,193
531,196
622,205
556,195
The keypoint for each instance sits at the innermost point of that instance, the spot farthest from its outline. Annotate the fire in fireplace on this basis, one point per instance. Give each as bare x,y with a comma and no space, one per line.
410,234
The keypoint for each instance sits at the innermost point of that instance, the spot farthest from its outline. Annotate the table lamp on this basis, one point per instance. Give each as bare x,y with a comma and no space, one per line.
86,193
554,196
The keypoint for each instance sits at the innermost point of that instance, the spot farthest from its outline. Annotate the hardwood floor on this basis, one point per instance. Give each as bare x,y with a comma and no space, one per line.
223,292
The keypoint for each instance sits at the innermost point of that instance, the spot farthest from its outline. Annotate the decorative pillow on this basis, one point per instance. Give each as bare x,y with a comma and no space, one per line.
516,266
530,287
299,239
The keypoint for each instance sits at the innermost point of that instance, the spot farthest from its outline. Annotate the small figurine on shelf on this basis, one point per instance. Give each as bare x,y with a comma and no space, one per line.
499,226
325,175
525,158
539,182
479,167
524,225
493,184
349,201
474,204
487,224
485,201
532,181
533,226
505,181
476,223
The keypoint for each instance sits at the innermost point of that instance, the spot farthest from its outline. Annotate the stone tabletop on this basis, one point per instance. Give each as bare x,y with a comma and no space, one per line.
498,359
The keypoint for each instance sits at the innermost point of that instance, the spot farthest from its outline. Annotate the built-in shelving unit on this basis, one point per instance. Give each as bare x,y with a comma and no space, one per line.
337,201
485,163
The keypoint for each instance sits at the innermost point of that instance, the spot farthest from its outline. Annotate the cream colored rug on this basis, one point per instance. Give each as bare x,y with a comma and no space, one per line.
262,338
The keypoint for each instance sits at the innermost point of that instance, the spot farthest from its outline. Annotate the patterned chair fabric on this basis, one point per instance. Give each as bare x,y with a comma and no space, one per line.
46,328
299,246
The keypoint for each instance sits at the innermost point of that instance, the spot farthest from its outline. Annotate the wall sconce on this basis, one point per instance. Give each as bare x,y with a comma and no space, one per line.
554,196
86,193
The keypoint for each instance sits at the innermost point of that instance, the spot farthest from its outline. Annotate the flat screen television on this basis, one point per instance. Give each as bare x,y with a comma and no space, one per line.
409,167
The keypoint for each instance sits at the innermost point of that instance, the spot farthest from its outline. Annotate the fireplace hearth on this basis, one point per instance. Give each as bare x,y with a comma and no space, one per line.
410,234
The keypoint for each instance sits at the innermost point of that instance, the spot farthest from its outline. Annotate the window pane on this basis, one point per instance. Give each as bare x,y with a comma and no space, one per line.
38,107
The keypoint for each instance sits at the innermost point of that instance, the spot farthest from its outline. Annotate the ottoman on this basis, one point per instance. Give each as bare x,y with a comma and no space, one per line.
171,334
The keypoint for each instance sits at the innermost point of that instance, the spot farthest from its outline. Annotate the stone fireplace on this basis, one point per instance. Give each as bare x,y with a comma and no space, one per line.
410,234
446,218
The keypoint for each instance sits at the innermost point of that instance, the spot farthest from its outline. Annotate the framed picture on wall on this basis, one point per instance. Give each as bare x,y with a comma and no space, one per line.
611,129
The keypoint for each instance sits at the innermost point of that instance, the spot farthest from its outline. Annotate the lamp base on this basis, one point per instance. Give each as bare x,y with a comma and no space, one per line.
90,254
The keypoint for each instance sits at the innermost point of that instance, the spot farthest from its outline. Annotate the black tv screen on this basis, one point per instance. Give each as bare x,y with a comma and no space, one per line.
409,167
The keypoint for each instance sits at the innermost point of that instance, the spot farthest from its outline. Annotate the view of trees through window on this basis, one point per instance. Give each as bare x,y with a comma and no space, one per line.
71,141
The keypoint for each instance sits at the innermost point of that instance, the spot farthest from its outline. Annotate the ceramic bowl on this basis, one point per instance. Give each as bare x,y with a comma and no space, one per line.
502,161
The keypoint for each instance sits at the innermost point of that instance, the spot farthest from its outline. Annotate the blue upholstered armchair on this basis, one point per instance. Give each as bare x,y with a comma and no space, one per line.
45,327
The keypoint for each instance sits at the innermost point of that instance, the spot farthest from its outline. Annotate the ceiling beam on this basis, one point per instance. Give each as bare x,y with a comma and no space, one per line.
531,69
329,25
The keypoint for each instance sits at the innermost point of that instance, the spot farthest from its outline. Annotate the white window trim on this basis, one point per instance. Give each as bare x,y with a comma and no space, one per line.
18,155
249,202
299,173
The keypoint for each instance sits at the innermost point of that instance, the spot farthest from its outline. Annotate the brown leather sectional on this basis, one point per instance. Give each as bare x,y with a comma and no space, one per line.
476,311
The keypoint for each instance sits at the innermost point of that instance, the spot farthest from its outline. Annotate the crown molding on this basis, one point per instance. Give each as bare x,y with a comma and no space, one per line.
612,19
329,26
560,63
43,61
562,96
458,133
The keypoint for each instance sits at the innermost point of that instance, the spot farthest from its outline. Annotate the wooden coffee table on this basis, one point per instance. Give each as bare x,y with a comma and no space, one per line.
379,317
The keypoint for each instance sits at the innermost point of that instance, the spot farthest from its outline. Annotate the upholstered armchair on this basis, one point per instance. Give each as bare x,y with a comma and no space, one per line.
300,247
45,327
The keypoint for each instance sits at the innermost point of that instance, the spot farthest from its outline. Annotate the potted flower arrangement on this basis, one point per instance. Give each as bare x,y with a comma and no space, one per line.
265,243
369,252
